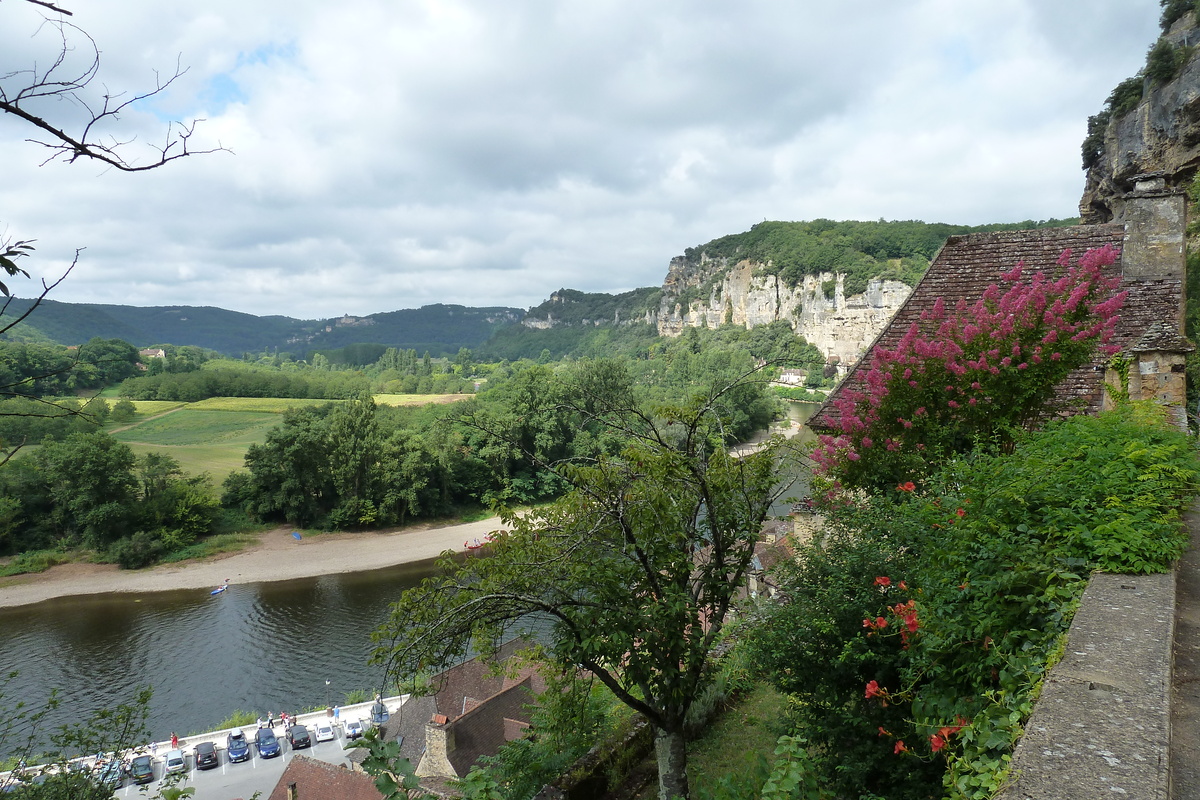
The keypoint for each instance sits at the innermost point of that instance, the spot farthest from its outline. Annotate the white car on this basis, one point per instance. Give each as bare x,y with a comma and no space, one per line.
324,731
353,728
175,761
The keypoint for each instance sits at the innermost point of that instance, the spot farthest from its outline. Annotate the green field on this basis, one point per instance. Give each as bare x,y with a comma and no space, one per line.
201,441
213,435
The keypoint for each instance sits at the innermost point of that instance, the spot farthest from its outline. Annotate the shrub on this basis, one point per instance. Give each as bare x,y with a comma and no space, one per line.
974,374
917,632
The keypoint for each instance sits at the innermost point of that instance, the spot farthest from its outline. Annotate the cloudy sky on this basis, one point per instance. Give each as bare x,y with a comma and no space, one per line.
390,154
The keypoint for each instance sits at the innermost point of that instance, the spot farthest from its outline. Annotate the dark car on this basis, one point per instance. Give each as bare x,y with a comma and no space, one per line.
206,756
236,746
141,769
298,737
267,744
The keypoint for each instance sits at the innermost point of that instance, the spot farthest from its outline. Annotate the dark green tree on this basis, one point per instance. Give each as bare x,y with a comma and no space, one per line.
635,568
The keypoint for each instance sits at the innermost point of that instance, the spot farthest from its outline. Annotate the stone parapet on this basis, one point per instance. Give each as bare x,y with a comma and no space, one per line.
1101,727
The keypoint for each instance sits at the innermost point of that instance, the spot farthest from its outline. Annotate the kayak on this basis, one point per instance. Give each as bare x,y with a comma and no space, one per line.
218,590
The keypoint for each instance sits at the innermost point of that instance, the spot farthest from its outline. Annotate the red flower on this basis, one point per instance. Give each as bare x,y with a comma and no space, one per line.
872,690
961,512
936,742
883,580
907,486
883,732
899,748
903,586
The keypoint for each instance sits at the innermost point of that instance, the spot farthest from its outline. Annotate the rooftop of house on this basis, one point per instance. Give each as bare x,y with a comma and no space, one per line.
967,265
320,780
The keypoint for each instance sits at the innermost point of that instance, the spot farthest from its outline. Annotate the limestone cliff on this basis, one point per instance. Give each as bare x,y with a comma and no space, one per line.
744,294
1159,135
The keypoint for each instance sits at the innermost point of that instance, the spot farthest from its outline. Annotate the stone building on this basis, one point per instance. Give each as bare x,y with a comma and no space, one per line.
1151,265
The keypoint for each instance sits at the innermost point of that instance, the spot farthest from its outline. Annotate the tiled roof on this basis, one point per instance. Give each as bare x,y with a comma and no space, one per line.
320,780
967,265
482,730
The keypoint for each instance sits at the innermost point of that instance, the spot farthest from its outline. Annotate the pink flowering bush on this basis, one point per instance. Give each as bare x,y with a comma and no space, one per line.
975,373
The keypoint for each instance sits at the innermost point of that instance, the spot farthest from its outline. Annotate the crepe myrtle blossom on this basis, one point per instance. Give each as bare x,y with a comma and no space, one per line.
974,370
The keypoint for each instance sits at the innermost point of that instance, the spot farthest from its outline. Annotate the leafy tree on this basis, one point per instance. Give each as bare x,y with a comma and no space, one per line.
355,450
123,410
49,756
90,480
289,471
634,569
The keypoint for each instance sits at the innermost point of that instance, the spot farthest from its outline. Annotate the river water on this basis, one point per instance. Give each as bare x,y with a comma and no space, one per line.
258,647
255,647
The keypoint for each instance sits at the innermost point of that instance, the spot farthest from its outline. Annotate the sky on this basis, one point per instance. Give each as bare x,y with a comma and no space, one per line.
389,154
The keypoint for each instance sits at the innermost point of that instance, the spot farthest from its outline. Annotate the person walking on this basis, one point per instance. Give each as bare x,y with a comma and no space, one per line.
174,741
270,720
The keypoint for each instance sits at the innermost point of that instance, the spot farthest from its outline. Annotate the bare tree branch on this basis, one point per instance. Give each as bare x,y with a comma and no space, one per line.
22,90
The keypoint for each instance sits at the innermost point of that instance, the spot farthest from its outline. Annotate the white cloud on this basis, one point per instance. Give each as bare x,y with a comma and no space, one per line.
462,151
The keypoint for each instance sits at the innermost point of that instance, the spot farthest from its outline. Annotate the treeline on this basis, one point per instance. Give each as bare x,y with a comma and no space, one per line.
394,372
355,465
861,251
89,490
39,370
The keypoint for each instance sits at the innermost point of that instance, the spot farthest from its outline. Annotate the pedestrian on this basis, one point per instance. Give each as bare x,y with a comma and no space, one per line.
283,715
337,713
270,720
174,741
153,749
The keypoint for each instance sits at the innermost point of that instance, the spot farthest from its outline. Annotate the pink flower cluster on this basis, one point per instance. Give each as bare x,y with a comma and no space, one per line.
978,365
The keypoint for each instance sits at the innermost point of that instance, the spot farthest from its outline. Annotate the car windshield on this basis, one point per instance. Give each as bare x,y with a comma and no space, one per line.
265,736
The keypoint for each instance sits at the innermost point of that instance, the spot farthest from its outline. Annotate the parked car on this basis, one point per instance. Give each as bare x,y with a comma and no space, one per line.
298,737
108,774
353,728
141,769
267,744
175,761
323,731
206,756
236,746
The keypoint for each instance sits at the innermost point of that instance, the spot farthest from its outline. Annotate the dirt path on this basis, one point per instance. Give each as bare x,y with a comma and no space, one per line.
277,556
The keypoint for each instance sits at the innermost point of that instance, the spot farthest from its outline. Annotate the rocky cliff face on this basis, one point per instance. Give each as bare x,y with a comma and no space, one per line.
1161,136
742,294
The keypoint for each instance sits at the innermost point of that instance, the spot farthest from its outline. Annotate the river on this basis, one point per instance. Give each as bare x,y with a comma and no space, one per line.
256,647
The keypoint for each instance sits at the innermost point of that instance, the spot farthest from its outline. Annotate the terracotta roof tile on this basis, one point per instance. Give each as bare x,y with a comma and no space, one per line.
967,265
320,780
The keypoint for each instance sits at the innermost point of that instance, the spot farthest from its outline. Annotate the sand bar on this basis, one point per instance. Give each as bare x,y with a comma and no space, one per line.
277,556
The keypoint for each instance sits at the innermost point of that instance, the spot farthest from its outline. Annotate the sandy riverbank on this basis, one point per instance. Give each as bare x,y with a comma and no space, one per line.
277,556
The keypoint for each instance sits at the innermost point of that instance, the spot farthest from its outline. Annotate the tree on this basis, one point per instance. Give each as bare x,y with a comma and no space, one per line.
635,568
68,73
91,481
83,128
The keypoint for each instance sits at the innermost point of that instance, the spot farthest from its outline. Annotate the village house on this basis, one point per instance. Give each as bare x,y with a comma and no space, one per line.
1151,265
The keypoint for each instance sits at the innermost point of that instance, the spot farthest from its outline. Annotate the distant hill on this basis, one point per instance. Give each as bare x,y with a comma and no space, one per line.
440,329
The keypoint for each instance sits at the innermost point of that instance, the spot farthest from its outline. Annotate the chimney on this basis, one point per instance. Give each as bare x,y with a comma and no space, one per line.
439,744
292,795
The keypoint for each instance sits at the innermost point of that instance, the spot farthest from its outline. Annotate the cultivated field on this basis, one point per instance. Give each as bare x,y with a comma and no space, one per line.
213,435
